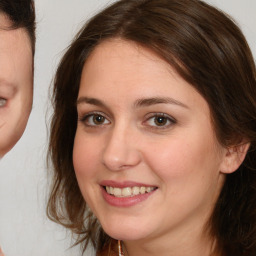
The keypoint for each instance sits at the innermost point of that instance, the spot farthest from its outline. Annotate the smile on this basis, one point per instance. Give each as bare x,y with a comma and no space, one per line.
128,191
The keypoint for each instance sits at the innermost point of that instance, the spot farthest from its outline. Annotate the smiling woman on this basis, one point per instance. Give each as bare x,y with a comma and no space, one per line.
154,132
17,44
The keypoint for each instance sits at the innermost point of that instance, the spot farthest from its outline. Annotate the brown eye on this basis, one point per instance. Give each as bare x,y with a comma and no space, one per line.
160,120
98,119
95,120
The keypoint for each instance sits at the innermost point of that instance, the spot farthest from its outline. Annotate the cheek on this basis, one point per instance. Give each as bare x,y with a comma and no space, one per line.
20,109
85,157
189,177
184,162
13,122
86,166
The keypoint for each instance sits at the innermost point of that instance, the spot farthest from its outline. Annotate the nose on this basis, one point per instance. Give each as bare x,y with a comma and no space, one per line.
121,150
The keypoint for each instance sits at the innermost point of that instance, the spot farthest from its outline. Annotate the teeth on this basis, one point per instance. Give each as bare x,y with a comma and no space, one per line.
135,190
128,191
118,192
148,189
142,190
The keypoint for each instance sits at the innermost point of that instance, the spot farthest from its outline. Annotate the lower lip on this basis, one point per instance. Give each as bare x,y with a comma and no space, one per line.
125,201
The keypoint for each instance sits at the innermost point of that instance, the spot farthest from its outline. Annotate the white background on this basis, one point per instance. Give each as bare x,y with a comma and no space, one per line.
24,228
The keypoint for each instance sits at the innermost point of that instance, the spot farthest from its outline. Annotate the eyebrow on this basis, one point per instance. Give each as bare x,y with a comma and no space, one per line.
91,101
158,100
144,102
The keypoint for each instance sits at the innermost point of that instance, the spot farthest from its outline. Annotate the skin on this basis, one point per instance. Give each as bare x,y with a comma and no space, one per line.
182,158
16,84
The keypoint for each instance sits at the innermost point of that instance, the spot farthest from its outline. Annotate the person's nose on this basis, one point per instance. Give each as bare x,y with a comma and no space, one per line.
121,150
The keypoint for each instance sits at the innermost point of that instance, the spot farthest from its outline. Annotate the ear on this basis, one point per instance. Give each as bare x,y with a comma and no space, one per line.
233,158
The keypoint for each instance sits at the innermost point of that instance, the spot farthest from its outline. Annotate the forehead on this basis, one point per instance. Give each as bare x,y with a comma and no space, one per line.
15,54
121,48
6,31
118,58
12,39
125,69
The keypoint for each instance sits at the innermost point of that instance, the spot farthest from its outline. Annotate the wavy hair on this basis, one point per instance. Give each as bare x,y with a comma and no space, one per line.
210,52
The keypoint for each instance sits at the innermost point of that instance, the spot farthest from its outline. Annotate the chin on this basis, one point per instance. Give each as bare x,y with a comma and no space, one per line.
125,232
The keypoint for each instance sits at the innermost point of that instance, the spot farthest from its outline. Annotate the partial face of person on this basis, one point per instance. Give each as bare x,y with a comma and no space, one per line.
145,153
16,84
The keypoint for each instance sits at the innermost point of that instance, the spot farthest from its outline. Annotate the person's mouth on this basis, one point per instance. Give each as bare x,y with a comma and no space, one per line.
128,191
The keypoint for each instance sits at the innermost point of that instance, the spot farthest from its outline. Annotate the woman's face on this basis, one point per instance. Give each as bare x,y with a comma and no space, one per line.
16,84
145,154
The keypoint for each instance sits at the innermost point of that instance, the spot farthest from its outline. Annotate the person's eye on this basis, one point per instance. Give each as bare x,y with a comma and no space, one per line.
94,119
2,102
160,120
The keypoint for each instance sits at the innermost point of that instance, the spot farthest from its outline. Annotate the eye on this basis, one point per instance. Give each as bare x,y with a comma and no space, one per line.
2,102
160,120
94,119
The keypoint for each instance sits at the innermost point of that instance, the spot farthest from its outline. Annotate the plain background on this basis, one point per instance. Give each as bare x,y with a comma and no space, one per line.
24,227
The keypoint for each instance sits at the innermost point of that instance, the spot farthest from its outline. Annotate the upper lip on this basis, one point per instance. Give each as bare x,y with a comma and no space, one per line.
124,184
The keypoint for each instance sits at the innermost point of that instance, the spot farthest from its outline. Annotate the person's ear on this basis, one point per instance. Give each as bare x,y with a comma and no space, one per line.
233,158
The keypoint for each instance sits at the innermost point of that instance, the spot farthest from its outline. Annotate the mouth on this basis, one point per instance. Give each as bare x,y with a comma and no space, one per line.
128,191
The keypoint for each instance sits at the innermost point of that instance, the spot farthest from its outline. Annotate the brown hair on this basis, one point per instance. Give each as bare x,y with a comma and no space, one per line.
22,15
210,52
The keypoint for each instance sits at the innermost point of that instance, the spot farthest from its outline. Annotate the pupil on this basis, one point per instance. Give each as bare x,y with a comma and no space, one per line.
99,119
160,120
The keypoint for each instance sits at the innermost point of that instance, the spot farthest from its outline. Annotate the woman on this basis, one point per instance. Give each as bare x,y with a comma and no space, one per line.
153,132
17,47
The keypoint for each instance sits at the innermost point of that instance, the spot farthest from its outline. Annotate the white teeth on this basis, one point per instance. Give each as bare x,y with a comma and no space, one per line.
142,190
128,191
148,189
135,190
117,192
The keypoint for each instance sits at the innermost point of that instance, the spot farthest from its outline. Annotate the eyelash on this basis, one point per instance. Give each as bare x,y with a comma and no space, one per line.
85,119
166,119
